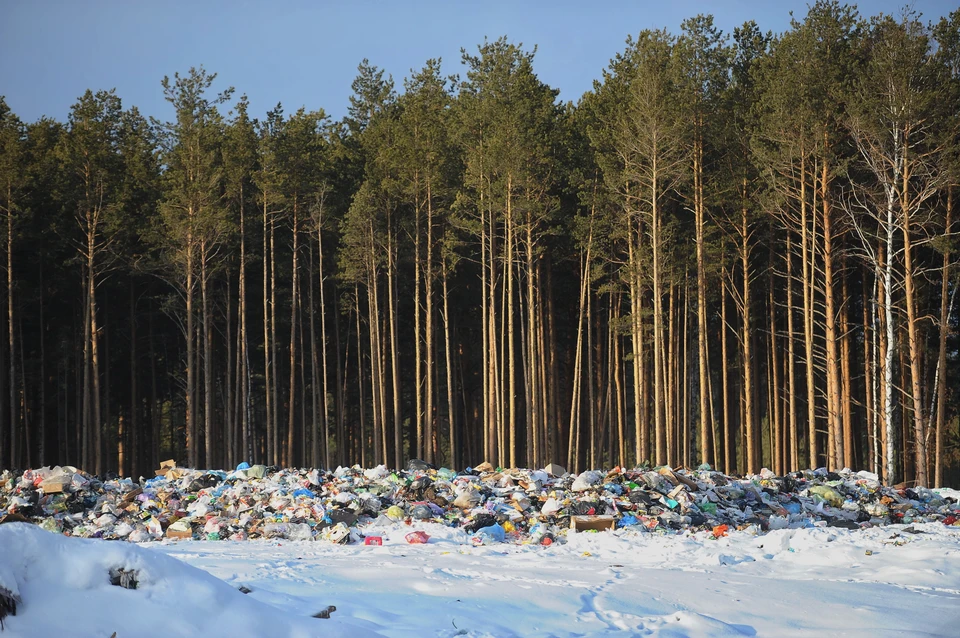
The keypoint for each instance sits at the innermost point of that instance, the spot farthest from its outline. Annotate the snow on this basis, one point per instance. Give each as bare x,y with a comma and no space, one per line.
882,581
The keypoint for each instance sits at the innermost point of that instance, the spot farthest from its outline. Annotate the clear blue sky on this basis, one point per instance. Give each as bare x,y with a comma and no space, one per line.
306,53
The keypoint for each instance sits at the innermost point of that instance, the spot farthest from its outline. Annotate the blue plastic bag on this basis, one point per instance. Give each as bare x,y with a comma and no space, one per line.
487,535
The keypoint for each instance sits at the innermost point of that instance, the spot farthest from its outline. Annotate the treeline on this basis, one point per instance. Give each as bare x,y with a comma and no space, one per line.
736,250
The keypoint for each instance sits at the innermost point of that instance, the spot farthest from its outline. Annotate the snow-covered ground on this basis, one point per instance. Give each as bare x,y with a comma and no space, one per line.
792,582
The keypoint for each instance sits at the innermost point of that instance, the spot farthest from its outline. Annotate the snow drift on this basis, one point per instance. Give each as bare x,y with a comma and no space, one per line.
65,589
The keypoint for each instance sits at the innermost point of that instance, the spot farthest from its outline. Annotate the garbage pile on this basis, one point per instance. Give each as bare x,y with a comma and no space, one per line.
492,505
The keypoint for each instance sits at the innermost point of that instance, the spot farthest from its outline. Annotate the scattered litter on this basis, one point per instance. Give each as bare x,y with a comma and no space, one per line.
417,538
524,506
126,578
325,613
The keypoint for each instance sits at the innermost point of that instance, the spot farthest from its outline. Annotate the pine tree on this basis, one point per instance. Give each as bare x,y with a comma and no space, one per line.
192,225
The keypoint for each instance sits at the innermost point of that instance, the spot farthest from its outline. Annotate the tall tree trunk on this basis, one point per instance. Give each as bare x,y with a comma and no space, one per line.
15,457
834,427
751,454
591,403
244,389
685,379
315,414
269,408
577,374
669,365
545,422
340,375
376,379
846,380
703,359
807,256
428,405
511,336
727,460
290,461
553,370
418,382
95,373
229,430
274,357
486,299
794,461
870,374
534,391
208,425
191,418
886,352
636,338
86,404
942,352
659,393
12,456
395,354
451,414
323,354
773,410
362,403
913,337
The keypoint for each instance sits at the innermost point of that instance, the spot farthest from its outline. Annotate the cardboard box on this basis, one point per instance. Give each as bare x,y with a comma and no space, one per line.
55,485
180,529
586,523
166,466
177,533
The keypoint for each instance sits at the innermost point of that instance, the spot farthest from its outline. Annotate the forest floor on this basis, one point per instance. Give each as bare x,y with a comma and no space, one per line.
884,581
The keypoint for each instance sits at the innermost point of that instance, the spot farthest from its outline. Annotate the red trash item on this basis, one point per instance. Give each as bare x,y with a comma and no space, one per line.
950,520
547,541
373,540
417,538
720,530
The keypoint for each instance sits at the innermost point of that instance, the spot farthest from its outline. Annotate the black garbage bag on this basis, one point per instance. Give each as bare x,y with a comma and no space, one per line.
586,508
479,522
417,465
342,515
203,482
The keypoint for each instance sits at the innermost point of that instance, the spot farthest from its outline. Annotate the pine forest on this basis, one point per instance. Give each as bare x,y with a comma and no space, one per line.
736,249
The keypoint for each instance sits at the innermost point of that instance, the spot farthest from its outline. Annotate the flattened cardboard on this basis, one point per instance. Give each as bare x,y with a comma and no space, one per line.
166,466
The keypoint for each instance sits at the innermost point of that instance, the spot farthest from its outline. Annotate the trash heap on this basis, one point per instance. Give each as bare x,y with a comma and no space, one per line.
492,505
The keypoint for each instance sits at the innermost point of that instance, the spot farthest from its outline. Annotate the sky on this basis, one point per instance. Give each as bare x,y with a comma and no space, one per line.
306,53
